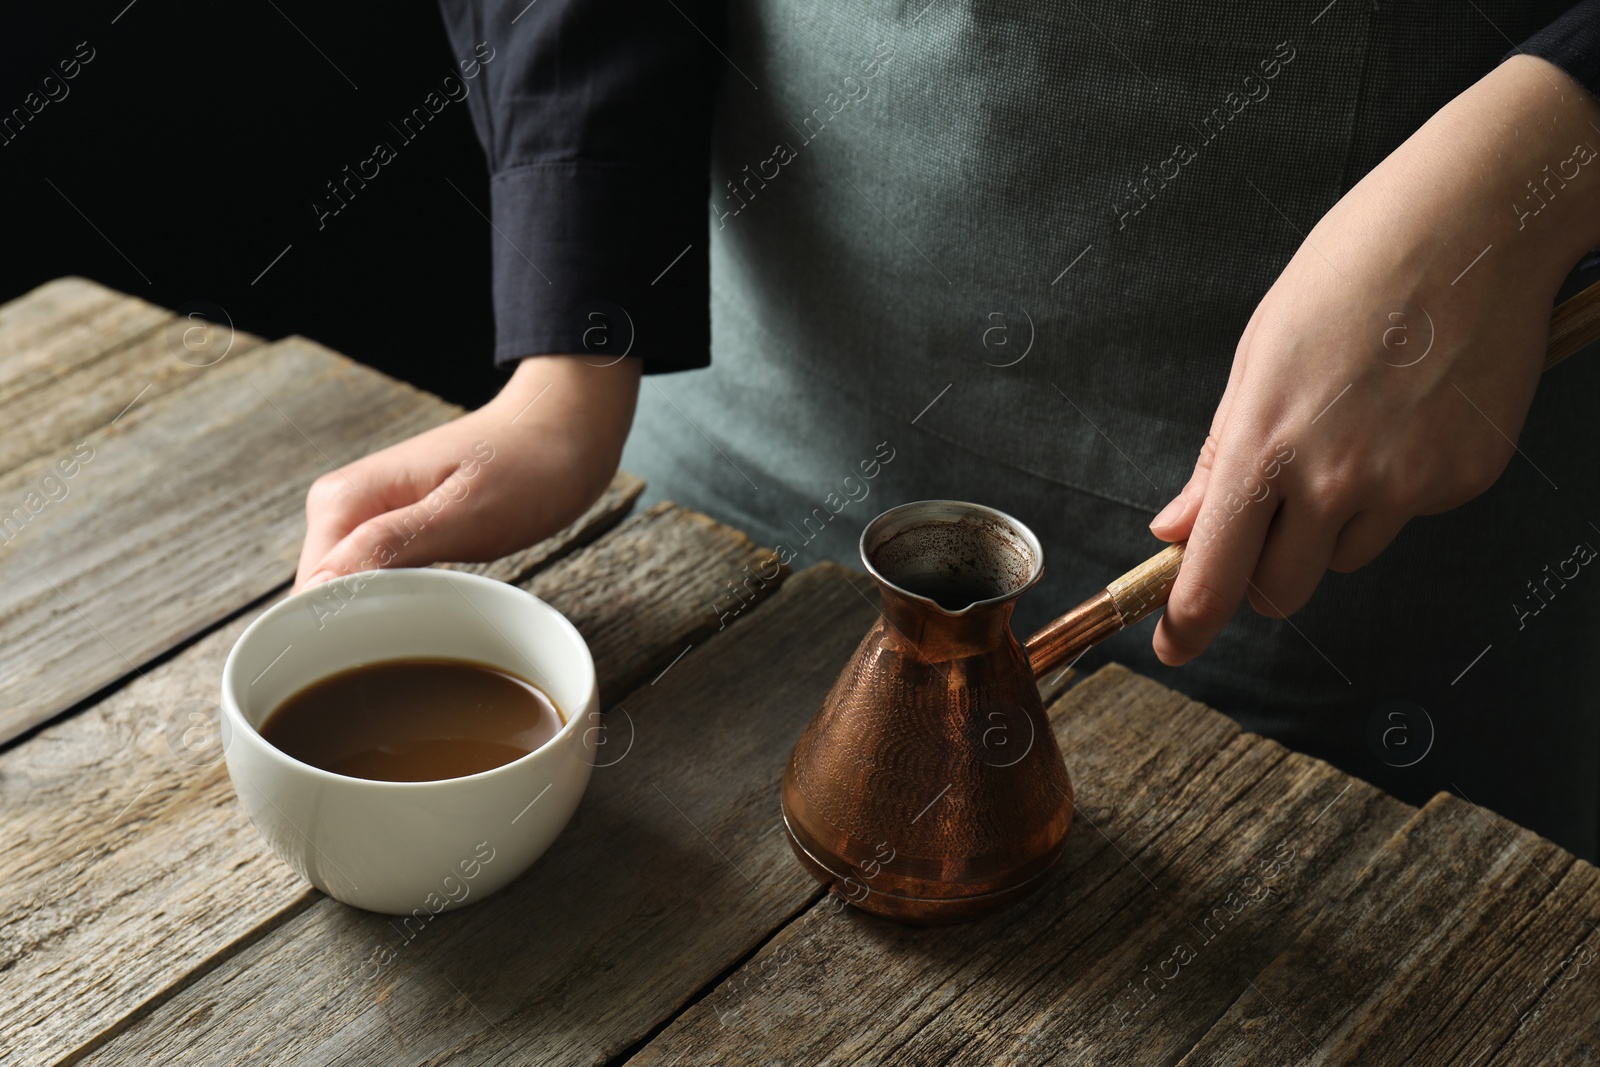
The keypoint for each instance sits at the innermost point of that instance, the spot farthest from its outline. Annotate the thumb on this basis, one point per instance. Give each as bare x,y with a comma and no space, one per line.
433,528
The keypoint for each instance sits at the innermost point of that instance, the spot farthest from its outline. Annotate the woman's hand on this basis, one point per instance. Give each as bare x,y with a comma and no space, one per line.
1387,372
501,478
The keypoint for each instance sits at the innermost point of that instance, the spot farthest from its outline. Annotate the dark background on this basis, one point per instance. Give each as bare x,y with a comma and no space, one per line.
198,137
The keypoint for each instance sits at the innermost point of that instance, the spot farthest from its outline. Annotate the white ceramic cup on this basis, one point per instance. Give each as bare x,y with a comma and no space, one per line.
408,847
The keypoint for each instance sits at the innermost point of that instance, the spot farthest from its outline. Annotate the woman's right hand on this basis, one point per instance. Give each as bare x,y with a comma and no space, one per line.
520,468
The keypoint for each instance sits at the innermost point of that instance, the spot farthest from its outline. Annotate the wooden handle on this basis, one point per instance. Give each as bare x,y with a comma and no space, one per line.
1574,325
1130,598
1142,590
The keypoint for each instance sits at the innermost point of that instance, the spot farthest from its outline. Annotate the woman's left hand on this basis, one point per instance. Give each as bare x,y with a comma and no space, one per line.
1387,373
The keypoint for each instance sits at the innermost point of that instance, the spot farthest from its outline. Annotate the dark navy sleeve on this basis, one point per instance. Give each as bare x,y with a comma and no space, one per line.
595,116
1571,42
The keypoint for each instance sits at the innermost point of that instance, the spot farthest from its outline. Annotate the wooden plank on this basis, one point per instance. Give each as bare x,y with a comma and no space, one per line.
45,311
1465,940
74,355
80,378
1560,1000
126,863
1197,853
179,514
678,606
674,867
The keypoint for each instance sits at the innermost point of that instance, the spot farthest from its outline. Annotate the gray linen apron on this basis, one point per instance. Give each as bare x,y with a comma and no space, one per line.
1002,250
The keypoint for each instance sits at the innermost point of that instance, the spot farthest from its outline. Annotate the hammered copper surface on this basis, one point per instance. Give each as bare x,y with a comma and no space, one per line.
929,786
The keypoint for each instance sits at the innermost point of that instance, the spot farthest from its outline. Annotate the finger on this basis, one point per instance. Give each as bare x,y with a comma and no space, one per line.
343,499
1223,552
335,505
1362,538
1174,521
436,527
1299,544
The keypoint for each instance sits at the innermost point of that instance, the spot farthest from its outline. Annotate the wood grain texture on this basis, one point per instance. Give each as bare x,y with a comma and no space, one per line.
656,591
1574,326
74,355
183,511
40,313
1197,853
1466,940
1145,588
126,863
674,867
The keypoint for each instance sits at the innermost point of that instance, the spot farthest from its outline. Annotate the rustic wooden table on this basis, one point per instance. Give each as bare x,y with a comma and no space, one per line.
1222,900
